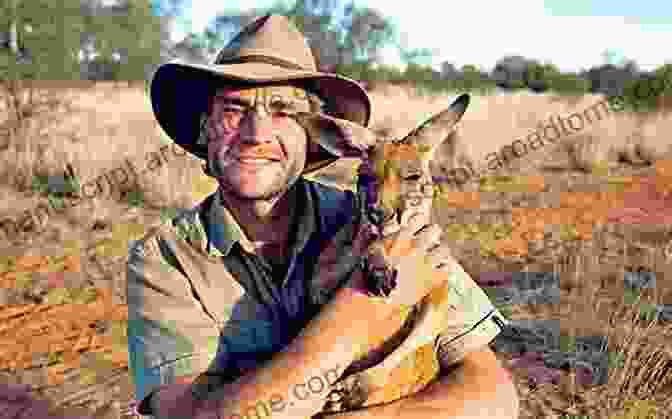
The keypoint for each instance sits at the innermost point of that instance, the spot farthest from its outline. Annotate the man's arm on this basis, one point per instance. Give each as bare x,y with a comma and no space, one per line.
472,382
477,387
321,347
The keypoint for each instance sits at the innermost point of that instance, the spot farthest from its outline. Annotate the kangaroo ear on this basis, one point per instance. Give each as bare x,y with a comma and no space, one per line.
339,137
436,129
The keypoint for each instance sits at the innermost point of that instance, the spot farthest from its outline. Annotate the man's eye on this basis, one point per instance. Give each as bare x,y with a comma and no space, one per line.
281,105
413,177
283,109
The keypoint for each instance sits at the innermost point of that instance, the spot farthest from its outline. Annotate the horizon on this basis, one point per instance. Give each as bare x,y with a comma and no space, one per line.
635,32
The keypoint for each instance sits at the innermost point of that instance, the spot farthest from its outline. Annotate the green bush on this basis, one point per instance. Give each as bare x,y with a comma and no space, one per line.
41,185
645,95
135,198
568,84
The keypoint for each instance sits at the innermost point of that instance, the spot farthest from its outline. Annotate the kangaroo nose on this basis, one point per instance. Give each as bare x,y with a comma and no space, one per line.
376,215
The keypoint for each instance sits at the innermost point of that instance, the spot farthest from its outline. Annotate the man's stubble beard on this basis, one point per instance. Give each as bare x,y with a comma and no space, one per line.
279,186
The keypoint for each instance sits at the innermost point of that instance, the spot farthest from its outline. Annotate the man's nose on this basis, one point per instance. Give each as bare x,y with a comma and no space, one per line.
257,126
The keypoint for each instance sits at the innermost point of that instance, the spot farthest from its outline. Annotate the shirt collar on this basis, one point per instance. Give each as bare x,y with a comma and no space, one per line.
224,230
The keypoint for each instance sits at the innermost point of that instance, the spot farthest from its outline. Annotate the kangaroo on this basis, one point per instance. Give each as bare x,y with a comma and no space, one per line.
402,167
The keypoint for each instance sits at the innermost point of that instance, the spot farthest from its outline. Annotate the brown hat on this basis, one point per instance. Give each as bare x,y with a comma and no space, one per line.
270,50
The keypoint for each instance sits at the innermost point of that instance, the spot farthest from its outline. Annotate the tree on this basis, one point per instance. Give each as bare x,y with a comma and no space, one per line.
169,13
318,24
539,77
140,50
650,91
343,38
43,44
13,38
471,78
510,72
50,37
48,33
419,74
448,71
610,79
127,39
368,33
570,84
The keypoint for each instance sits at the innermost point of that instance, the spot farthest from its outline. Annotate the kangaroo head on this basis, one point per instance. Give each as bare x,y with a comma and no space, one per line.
400,167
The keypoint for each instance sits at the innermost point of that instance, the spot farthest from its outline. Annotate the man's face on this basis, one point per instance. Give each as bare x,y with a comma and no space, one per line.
256,149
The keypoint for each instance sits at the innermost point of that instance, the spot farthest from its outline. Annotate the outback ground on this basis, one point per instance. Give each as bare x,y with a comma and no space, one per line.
63,309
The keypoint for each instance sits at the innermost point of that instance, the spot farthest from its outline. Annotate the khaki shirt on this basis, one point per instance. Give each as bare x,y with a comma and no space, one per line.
200,300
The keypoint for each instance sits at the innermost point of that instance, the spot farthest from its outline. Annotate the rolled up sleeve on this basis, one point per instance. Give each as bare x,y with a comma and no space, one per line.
471,320
169,334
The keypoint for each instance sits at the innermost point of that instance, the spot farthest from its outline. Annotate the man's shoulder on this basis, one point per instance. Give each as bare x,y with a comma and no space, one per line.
183,224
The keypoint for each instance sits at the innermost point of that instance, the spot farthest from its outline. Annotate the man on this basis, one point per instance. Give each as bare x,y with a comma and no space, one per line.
256,292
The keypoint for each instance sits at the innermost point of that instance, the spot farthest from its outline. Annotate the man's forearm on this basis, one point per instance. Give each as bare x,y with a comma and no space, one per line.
475,389
295,382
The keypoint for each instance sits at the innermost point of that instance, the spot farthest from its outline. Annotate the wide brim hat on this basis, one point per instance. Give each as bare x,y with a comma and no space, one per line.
268,51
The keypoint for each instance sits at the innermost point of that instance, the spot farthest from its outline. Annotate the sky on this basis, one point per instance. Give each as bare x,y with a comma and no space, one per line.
572,34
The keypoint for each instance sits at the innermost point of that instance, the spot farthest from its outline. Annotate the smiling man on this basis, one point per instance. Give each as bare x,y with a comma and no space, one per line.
256,292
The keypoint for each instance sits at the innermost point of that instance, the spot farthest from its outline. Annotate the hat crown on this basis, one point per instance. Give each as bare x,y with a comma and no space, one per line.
271,38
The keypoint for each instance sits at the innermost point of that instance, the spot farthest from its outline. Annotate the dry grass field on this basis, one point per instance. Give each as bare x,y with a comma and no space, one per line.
63,310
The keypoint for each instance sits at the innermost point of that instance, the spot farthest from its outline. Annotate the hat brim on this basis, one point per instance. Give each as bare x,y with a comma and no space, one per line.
180,91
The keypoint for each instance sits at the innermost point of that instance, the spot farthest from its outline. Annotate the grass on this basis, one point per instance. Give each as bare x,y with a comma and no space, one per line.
642,366
135,199
488,235
97,370
122,235
568,343
638,409
642,362
24,281
638,348
617,183
616,360
54,358
568,232
62,295
498,183
485,234
505,309
647,311
168,214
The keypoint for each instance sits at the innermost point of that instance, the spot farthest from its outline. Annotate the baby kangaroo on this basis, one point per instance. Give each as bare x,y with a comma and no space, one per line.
398,186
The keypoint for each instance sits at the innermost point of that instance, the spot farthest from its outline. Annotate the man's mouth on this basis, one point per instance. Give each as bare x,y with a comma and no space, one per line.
256,159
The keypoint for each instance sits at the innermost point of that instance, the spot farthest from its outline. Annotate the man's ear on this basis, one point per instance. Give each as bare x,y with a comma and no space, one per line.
339,137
